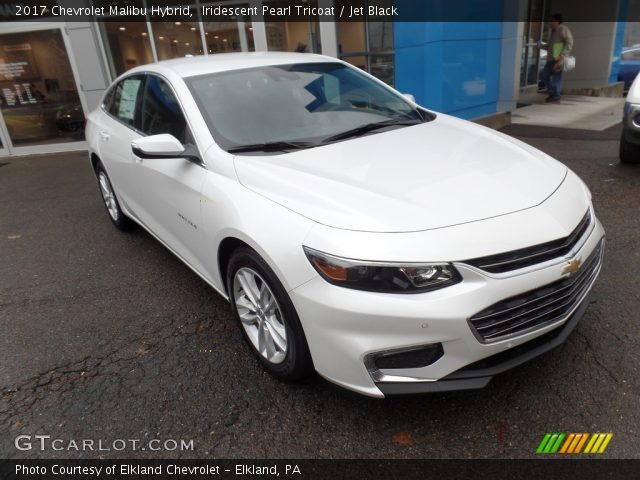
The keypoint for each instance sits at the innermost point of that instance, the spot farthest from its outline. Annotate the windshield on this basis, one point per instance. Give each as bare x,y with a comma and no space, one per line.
296,106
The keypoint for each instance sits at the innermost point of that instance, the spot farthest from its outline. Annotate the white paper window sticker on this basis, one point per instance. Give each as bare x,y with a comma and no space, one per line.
127,105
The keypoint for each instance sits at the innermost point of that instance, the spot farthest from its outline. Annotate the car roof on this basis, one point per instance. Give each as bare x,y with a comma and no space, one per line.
222,62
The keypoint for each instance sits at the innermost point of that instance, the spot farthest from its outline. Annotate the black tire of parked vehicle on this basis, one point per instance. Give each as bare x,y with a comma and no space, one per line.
297,363
629,153
122,222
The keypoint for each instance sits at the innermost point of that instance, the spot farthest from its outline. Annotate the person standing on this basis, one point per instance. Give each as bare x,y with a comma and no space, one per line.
558,47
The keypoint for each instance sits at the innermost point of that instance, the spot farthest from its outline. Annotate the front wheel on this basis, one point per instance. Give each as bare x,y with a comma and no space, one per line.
267,317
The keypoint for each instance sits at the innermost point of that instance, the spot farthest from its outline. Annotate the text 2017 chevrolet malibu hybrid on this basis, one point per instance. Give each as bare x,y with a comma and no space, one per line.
391,249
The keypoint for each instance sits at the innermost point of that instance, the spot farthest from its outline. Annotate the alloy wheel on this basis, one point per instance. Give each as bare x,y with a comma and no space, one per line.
108,196
260,315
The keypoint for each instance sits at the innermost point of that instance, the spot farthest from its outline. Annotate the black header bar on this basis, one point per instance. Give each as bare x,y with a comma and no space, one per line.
303,11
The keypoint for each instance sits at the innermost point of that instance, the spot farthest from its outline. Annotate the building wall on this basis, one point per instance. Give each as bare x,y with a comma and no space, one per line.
452,67
90,65
618,43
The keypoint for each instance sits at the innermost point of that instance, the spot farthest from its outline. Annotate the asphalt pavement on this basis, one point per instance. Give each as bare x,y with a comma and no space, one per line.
106,335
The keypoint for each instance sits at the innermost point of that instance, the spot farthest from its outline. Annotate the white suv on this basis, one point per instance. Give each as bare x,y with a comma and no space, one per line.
630,141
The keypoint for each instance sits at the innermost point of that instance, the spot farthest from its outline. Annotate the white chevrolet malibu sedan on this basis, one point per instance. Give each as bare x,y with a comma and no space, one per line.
392,249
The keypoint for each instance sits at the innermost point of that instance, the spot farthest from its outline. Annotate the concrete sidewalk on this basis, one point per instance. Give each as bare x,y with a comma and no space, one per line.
573,111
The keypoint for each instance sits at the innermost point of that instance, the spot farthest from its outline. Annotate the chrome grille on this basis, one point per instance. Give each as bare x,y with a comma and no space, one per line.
537,308
524,257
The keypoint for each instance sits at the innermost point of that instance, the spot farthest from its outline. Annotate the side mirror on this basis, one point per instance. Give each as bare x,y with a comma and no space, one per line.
409,97
158,146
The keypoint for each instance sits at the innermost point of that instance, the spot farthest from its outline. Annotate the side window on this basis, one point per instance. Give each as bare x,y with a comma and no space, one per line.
631,55
125,98
161,111
108,99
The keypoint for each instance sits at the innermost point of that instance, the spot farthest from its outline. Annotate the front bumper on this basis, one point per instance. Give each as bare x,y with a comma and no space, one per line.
345,327
479,374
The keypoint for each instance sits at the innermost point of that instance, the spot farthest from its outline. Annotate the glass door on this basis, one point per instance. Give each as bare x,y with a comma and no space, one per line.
39,100
534,52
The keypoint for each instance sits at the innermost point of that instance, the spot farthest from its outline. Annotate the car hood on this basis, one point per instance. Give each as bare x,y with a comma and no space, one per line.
432,175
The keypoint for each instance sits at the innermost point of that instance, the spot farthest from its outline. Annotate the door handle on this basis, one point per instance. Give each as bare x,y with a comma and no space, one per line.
104,136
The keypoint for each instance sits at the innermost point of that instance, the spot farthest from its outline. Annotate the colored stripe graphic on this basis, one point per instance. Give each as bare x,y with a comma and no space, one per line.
550,443
599,442
543,443
567,442
573,443
594,437
607,439
556,446
581,443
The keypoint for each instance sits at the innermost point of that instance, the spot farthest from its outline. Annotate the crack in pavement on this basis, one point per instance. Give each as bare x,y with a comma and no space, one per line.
19,399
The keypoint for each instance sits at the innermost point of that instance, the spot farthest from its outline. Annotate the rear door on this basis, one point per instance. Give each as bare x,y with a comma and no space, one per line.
117,128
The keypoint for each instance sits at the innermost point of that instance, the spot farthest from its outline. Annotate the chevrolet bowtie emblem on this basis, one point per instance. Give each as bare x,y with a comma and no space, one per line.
573,266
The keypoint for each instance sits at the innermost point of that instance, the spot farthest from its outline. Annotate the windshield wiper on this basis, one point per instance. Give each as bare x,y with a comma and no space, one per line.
280,146
370,127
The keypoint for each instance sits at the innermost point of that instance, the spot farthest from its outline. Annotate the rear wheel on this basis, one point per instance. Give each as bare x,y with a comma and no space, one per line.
119,219
629,153
267,317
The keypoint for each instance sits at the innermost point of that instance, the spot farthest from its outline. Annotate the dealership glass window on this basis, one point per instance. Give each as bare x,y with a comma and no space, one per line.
368,44
222,37
303,37
177,39
38,94
127,45
235,35
534,52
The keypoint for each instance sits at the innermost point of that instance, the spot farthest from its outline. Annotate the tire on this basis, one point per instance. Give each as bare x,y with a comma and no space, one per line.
117,216
262,325
629,153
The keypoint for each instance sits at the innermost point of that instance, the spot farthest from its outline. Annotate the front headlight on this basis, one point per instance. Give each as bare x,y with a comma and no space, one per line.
382,276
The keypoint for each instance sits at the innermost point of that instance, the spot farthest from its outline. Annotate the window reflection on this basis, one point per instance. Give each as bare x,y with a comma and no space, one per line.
380,35
368,44
176,39
127,44
303,37
229,36
38,94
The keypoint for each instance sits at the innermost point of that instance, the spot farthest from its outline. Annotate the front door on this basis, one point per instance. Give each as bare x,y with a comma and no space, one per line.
169,189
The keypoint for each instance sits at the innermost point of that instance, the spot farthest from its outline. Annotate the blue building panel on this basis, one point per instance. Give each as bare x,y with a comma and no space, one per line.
452,67
618,41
